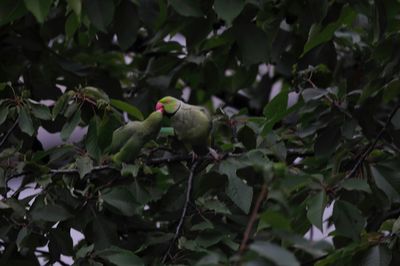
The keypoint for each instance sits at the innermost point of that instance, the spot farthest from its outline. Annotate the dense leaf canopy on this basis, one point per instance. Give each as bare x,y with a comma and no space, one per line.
305,97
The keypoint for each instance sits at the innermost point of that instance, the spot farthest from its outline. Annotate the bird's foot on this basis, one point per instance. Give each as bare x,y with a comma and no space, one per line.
214,154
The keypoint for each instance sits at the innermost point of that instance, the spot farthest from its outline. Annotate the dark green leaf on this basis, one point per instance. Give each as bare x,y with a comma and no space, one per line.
356,184
378,255
126,107
315,209
278,255
39,8
25,121
318,36
68,127
313,94
187,8
327,141
228,9
121,199
41,111
253,43
126,24
100,12
395,120
273,219
120,257
240,193
76,6
50,213
11,10
348,219
3,114
71,25
84,165
387,179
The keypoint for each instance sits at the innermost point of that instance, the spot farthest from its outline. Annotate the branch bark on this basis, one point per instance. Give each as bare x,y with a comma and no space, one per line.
253,217
8,133
373,144
184,210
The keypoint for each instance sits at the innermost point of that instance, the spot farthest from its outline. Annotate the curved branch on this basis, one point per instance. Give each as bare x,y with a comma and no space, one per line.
184,210
373,144
253,217
8,133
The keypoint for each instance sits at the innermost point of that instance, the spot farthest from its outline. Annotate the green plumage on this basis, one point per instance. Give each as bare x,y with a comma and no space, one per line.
192,124
128,140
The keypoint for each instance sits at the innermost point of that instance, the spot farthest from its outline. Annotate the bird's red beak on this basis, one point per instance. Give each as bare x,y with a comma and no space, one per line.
160,107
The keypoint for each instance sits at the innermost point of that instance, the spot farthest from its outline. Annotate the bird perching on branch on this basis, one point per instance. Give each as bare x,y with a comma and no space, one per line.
128,140
192,124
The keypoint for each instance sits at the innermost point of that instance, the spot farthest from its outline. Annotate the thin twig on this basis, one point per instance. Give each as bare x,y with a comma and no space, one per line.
170,159
8,133
253,217
76,171
184,210
373,144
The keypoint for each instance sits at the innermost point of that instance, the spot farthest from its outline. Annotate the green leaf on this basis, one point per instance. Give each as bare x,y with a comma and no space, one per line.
318,36
100,12
253,43
126,24
327,141
126,107
41,111
76,6
91,139
130,169
396,226
120,257
39,8
277,107
395,120
60,105
11,10
228,10
387,179
84,165
70,125
348,220
378,255
356,184
71,25
121,199
315,209
313,94
3,114
187,8
273,219
25,122
240,193
50,213
275,110
278,255
391,90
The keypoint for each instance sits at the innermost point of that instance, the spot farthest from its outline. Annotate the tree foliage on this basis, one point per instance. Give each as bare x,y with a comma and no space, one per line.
328,137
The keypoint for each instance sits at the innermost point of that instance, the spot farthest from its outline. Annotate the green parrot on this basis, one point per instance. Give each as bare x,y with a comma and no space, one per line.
192,124
130,138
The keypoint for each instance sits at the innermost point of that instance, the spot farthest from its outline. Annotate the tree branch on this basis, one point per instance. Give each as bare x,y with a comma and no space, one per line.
261,196
373,144
76,171
8,133
184,210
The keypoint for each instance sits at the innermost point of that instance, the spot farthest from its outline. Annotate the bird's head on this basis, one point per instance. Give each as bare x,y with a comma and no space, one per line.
168,104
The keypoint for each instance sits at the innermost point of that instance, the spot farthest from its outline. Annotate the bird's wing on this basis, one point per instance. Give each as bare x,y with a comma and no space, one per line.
122,135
